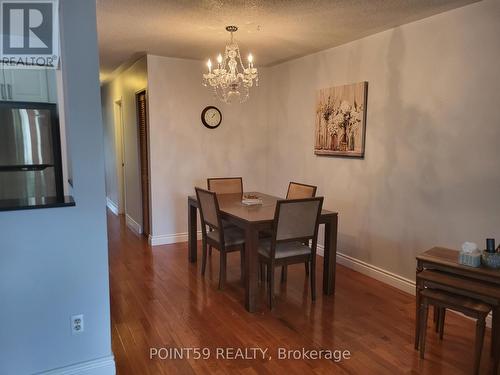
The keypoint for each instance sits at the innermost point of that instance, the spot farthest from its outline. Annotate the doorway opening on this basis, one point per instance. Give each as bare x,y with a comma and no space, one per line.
120,156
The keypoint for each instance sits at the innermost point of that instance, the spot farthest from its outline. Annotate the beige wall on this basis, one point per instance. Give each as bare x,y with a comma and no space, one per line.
431,173
123,87
184,152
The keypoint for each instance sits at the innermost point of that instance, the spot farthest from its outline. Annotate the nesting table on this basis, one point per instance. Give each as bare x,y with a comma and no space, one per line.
439,268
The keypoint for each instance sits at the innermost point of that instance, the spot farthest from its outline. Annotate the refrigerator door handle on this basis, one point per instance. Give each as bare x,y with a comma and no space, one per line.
2,90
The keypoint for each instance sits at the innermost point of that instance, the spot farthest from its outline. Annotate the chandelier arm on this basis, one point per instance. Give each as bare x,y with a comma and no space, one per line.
241,62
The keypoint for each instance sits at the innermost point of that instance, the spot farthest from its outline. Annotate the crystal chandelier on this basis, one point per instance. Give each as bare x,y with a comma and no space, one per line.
230,80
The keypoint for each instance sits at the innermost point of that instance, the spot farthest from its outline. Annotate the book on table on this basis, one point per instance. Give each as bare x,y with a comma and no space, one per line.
250,200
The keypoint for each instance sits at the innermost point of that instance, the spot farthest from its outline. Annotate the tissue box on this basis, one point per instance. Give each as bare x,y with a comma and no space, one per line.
470,259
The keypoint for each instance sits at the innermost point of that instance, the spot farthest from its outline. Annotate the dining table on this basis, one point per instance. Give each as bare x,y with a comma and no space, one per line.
253,219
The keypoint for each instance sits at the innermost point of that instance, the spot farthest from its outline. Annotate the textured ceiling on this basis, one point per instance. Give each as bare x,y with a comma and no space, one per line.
274,31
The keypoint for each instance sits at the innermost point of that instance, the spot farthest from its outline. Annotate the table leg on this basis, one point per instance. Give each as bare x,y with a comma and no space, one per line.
419,286
192,233
495,339
251,267
494,328
330,256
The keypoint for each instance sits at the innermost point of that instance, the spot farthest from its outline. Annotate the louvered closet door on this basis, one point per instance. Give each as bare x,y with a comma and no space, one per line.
142,121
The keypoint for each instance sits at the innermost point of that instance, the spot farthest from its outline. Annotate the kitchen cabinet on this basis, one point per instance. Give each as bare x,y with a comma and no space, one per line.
28,85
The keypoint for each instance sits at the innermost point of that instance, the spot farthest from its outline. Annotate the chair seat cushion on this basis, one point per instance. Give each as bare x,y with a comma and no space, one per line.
283,249
233,236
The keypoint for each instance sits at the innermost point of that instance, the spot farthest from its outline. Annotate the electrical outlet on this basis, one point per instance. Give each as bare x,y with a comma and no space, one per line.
77,325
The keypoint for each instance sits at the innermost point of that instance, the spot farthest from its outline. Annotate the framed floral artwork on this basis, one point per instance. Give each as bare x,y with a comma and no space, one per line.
340,126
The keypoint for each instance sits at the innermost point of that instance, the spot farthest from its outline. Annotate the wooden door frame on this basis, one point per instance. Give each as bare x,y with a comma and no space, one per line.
147,230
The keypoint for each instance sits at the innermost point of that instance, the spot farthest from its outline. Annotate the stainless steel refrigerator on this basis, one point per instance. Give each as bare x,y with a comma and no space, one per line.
30,152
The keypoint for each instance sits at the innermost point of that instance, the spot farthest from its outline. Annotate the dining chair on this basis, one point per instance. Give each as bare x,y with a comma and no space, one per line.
226,240
224,185
297,190
296,222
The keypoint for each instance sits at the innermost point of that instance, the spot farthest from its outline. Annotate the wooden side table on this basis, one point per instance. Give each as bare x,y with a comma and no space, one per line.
439,268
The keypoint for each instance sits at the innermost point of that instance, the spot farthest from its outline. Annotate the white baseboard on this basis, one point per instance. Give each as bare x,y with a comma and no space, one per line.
132,224
377,273
100,366
167,239
112,206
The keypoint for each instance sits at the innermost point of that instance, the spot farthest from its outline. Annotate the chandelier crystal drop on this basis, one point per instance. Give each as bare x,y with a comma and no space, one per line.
230,79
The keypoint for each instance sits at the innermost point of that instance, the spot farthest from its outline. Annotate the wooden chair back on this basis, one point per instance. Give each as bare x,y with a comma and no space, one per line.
297,190
225,185
209,210
296,220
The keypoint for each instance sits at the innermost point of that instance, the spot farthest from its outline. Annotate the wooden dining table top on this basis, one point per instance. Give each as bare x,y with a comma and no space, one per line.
230,204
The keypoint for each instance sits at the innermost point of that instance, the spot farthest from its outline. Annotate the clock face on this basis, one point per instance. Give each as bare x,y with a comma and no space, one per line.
211,117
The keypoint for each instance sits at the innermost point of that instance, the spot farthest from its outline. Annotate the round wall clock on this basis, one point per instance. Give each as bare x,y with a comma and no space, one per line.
211,117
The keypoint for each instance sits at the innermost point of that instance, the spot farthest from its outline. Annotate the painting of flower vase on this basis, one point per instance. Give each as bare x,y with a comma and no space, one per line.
341,120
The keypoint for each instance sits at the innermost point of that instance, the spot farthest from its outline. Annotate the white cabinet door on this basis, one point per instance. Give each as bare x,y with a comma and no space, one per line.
27,85
3,86
52,85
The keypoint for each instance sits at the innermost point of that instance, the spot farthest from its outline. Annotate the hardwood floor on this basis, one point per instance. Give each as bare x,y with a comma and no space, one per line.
159,300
